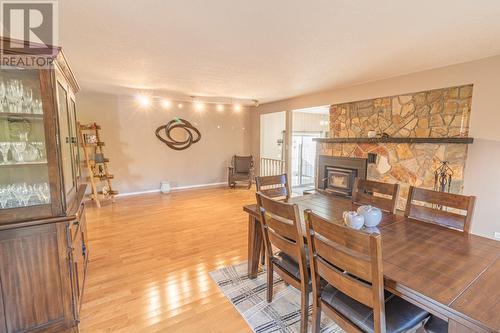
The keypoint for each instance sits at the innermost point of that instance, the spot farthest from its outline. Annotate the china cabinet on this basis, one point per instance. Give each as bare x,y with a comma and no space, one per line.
43,239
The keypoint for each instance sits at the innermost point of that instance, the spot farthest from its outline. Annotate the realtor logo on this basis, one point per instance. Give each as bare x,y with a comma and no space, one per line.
33,22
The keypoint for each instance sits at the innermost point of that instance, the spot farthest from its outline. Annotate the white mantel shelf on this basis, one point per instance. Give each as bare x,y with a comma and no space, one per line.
457,140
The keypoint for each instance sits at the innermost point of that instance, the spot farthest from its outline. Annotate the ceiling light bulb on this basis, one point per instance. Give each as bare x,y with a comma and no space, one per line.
166,103
180,105
220,107
237,108
144,100
199,106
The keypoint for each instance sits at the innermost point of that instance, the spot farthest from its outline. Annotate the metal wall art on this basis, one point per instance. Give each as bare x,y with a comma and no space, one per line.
192,134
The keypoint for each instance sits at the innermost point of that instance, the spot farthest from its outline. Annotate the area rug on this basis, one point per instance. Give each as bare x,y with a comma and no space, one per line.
249,298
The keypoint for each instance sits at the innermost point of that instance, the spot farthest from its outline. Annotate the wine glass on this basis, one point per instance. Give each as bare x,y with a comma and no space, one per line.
40,146
27,99
19,148
23,136
4,196
36,106
22,192
4,149
3,96
14,95
43,192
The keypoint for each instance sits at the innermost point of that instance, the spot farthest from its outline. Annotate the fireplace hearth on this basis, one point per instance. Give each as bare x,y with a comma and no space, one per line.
337,174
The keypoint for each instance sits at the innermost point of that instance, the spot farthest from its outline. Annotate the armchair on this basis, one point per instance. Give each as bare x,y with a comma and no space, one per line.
241,170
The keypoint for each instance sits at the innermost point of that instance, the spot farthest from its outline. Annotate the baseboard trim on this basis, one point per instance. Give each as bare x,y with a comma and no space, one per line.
173,189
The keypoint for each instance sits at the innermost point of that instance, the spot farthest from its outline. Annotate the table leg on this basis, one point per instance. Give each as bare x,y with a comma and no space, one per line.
254,246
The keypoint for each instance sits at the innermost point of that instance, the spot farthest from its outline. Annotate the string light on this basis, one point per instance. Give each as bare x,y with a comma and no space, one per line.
166,104
199,106
144,100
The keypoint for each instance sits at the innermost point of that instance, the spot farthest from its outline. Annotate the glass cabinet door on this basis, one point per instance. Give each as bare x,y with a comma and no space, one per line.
65,139
24,175
74,138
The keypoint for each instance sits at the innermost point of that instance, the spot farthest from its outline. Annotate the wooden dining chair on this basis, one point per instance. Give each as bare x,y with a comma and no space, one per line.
431,206
351,262
276,187
364,193
281,228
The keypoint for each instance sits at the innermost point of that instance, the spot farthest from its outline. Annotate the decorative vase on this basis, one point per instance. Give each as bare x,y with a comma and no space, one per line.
372,215
353,220
165,187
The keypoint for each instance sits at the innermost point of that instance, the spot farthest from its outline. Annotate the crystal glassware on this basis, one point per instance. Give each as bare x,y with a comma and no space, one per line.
43,192
14,95
27,100
3,97
22,192
4,196
4,149
40,146
36,106
19,148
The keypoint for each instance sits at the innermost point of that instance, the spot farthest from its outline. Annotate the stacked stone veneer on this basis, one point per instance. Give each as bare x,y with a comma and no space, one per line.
434,113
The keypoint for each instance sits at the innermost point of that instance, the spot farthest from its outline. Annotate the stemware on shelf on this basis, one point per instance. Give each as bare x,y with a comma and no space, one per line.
3,97
23,194
19,148
4,196
40,146
15,97
4,149
43,192
27,100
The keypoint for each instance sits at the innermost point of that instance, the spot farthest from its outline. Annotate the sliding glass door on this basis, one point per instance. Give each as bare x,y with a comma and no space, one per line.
303,158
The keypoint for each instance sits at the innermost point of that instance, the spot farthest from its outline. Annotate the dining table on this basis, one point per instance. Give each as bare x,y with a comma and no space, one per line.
451,274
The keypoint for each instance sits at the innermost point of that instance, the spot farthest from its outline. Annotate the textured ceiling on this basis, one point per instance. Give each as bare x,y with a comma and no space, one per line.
268,50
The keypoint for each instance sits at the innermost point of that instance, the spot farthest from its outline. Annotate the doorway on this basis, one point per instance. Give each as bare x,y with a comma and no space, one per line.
307,124
303,159
272,143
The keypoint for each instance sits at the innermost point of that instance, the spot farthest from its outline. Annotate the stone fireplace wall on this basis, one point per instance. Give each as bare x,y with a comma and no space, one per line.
435,113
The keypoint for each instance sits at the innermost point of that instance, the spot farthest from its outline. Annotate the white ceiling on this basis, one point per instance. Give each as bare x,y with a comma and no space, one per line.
268,49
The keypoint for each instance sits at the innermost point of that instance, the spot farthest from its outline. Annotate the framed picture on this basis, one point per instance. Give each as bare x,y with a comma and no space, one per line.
90,138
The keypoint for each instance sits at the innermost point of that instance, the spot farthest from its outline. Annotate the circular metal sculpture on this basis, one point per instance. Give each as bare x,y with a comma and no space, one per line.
192,134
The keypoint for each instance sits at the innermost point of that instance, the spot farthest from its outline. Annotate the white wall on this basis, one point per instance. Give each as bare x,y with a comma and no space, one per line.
139,161
271,130
482,173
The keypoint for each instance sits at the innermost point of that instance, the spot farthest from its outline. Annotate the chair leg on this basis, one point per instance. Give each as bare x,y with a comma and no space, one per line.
262,253
269,281
304,310
316,315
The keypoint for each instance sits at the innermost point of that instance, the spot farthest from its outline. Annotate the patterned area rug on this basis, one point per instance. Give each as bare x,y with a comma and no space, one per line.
249,298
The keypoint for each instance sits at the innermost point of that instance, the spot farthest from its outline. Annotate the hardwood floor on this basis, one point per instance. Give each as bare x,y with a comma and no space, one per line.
150,258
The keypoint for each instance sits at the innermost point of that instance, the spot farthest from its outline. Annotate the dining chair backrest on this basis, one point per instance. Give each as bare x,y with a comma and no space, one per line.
273,186
349,260
365,193
282,229
446,209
